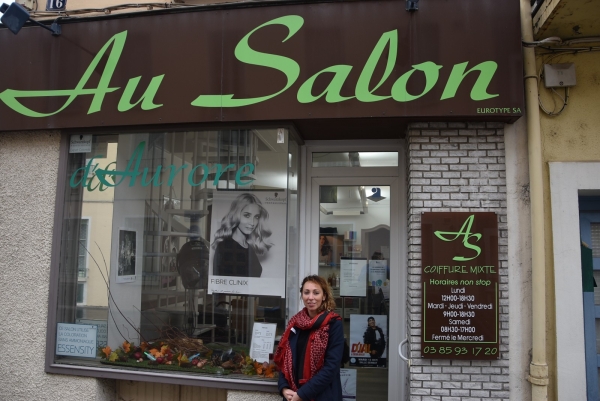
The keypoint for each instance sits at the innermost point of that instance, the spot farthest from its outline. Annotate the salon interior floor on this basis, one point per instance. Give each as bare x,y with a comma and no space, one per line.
371,383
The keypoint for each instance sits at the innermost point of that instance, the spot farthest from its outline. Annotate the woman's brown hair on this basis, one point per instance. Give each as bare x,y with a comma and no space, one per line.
328,302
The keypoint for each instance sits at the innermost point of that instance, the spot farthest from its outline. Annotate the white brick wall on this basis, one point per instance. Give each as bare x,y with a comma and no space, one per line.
455,167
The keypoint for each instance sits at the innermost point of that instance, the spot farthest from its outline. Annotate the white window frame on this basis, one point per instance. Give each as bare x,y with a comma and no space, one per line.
569,180
309,229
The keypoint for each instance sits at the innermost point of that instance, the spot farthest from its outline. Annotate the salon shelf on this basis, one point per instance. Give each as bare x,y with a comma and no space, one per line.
186,212
171,234
164,292
203,193
163,274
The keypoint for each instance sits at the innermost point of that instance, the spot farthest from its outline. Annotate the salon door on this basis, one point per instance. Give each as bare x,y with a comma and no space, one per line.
355,247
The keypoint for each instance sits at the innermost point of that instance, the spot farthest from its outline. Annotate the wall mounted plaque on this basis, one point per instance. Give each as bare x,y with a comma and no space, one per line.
460,285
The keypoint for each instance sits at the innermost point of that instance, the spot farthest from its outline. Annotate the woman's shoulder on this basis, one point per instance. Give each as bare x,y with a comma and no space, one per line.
226,242
336,324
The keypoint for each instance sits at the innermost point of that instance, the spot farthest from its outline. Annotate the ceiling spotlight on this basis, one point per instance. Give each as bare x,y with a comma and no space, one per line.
15,16
412,5
376,197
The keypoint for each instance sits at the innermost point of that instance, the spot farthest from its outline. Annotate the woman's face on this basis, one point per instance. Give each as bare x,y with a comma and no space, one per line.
249,219
322,241
313,297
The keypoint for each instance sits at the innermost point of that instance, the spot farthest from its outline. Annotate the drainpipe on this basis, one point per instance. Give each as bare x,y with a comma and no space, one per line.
538,368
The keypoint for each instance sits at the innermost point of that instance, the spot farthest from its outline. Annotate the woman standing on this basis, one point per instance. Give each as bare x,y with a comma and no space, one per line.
242,236
310,352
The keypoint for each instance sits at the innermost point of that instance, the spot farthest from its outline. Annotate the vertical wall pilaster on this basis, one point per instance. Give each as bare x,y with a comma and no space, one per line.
455,167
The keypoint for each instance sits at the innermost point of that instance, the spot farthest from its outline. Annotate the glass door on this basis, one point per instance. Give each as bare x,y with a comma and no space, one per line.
352,247
354,255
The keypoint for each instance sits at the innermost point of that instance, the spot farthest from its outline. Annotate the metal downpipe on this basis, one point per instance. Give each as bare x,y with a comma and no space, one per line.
538,368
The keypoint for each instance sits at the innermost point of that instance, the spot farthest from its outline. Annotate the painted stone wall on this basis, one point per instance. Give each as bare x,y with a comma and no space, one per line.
456,167
28,167
571,136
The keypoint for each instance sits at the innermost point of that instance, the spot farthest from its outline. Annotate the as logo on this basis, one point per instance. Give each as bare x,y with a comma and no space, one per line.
465,232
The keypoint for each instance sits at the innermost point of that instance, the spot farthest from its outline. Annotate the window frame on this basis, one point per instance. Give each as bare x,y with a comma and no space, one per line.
123,373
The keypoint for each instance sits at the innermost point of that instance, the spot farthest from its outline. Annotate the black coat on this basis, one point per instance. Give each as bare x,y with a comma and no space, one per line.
326,384
376,345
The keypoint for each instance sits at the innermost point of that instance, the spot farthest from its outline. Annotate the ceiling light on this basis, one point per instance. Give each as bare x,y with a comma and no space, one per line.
376,197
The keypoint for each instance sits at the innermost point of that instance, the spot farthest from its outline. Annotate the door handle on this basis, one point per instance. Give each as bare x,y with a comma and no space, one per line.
405,359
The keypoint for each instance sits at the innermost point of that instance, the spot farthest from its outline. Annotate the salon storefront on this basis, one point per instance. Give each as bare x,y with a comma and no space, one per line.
169,177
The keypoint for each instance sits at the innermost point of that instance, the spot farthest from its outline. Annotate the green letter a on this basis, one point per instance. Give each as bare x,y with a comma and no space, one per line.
9,96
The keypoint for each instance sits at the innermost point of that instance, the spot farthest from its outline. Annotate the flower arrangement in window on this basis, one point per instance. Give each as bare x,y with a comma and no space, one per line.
186,354
176,350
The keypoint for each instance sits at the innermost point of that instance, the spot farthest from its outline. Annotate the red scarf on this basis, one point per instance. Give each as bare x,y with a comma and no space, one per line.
315,347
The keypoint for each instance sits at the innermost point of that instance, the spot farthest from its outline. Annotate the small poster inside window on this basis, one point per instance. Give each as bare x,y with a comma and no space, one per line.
76,340
348,379
353,282
102,334
368,340
378,278
377,272
126,256
263,341
248,243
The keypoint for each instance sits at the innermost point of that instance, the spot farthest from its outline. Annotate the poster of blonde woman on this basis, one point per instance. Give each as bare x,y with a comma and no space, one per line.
248,243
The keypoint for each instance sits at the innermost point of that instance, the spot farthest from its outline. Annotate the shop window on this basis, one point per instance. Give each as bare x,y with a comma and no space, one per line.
589,222
192,251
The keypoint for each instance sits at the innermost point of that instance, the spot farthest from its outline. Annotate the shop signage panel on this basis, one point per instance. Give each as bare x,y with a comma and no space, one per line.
76,340
460,285
313,61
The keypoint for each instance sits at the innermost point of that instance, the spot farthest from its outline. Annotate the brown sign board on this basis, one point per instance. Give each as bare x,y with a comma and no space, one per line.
312,61
460,285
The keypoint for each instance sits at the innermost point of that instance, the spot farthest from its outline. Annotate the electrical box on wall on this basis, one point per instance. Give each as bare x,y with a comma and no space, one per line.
559,75
30,5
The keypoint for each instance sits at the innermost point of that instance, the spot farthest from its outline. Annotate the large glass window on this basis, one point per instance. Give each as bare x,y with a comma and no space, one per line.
177,251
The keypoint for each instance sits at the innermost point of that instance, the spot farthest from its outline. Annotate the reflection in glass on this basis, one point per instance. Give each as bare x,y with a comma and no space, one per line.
354,256
140,215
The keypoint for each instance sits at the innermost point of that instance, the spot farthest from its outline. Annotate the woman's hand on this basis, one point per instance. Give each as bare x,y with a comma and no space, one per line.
288,394
296,398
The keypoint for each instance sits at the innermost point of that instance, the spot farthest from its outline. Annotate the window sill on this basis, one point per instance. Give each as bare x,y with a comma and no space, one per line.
233,382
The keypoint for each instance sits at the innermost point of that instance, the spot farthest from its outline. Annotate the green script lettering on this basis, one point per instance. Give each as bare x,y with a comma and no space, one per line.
332,92
432,73
10,96
244,53
205,170
100,185
147,98
386,48
240,174
85,172
132,170
363,93
465,232
479,90
136,158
